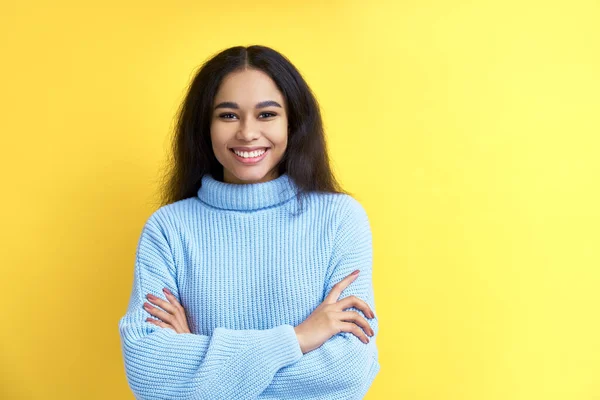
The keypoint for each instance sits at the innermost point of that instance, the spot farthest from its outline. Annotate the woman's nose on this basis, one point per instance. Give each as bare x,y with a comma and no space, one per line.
248,129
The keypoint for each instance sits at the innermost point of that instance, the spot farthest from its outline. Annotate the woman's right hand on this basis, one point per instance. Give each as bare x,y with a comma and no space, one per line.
328,318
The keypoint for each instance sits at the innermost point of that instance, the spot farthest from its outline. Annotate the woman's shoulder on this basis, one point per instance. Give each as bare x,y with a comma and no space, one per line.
341,205
167,216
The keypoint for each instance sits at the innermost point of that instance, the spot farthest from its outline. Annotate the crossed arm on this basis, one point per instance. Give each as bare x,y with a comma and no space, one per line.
248,364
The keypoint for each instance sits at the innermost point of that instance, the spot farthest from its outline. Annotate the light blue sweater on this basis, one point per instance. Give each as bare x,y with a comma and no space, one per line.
247,268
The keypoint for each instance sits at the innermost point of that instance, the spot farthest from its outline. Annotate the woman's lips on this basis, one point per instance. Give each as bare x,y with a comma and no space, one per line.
250,160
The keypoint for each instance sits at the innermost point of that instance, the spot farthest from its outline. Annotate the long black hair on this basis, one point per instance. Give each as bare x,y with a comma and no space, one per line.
305,159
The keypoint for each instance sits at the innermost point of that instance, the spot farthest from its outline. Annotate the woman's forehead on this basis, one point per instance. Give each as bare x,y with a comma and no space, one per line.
248,88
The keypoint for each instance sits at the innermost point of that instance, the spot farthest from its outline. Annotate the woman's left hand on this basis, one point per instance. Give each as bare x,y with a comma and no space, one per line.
173,315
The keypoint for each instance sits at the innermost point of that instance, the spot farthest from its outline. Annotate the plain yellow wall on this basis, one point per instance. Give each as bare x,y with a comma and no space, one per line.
469,130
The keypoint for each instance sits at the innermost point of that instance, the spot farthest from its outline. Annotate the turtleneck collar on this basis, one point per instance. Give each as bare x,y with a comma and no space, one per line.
246,196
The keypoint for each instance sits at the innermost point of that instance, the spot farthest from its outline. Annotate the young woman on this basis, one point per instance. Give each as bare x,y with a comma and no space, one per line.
243,285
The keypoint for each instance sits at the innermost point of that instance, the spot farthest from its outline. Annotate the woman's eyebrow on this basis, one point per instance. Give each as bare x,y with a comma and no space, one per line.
262,104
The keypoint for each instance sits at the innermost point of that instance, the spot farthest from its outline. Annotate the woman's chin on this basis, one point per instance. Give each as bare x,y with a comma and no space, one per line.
242,177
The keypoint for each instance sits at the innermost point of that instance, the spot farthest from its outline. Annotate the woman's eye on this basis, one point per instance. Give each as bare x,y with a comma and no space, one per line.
230,115
225,115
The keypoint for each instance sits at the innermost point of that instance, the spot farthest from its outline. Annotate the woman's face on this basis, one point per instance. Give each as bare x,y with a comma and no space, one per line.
249,115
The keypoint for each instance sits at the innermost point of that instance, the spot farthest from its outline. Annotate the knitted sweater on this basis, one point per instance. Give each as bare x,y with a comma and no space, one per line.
248,267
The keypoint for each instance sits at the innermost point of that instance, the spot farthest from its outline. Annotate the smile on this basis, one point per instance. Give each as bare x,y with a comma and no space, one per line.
250,157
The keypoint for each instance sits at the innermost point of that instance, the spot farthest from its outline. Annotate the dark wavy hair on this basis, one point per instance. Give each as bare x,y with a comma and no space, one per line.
305,159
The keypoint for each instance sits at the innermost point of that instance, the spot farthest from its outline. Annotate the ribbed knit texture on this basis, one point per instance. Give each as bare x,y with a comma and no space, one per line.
248,267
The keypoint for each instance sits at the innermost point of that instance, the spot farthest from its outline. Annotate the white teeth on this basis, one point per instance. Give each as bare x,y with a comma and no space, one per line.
250,154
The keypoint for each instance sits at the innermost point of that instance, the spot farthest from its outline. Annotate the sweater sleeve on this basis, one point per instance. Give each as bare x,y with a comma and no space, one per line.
343,367
162,364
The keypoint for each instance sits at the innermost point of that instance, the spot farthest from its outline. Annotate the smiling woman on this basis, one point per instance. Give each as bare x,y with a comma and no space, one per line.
254,295
257,129
249,97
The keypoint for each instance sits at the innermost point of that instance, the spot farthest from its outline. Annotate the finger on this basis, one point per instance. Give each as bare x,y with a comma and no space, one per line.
171,297
165,305
180,316
355,330
353,301
339,287
355,317
173,300
158,313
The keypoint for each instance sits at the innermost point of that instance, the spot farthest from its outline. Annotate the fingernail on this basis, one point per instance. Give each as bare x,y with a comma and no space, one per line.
356,272
150,296
167,291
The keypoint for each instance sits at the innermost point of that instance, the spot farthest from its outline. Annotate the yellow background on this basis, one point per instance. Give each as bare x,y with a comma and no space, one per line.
469,130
